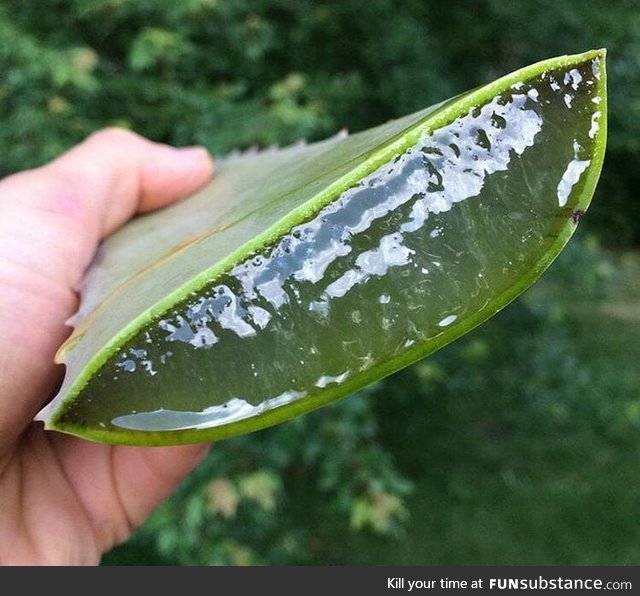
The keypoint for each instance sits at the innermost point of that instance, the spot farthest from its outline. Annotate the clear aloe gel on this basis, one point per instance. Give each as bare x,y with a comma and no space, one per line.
412,255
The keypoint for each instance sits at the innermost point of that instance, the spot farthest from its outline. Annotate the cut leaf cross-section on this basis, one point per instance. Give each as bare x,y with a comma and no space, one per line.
302,274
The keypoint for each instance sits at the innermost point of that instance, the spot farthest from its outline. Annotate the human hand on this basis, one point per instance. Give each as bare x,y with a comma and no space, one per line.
63,500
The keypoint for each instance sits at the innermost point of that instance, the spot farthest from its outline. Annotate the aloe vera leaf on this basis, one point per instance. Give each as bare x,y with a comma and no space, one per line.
302,274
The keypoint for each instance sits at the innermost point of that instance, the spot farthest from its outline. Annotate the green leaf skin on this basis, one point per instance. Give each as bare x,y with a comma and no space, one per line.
302,274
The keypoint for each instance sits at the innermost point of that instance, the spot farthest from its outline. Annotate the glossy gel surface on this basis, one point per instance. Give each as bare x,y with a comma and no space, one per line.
417,252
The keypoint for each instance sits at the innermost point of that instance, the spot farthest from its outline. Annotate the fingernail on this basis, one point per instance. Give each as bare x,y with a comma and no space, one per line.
195,157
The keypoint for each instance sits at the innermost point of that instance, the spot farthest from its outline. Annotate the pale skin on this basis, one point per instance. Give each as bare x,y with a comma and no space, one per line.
63,500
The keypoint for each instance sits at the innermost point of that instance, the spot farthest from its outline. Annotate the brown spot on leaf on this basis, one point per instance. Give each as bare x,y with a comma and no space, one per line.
576,215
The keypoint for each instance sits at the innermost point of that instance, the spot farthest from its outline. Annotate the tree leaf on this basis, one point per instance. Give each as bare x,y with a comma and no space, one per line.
299,275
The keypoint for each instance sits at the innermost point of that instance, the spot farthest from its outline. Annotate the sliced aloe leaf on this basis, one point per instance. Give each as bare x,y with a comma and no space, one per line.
302,274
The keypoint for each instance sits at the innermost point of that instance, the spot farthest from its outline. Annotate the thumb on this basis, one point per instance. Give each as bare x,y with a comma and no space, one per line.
51,221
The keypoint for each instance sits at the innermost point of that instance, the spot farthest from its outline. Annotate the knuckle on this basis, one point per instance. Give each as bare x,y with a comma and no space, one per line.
114,135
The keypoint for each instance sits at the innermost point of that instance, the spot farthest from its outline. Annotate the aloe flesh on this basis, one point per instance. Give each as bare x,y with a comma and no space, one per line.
415,253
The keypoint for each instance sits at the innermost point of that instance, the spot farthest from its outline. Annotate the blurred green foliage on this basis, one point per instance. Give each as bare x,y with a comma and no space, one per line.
512,444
